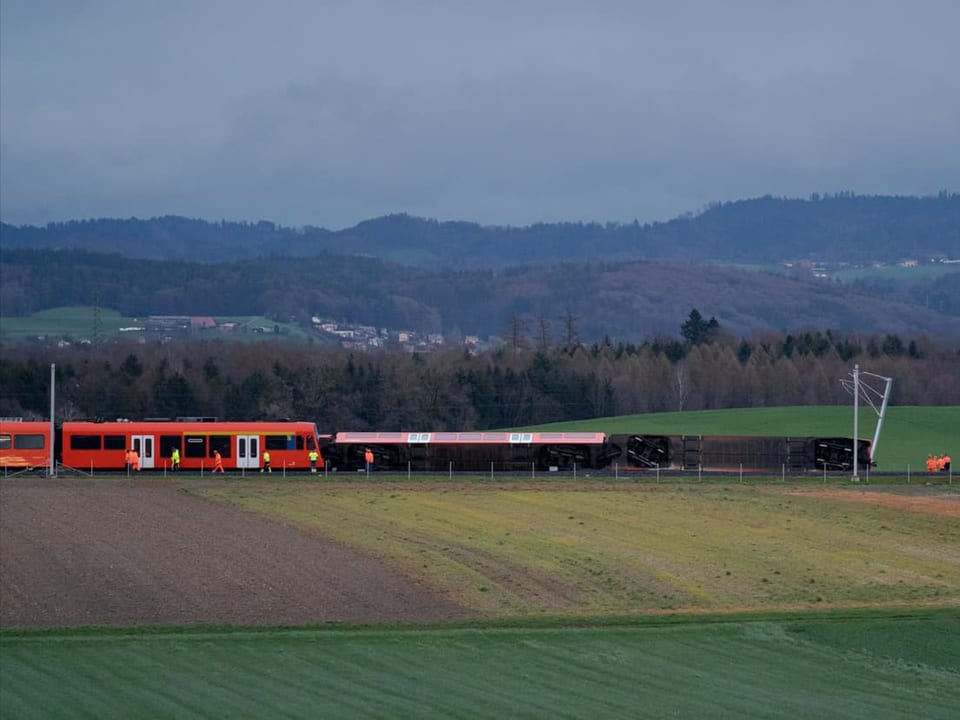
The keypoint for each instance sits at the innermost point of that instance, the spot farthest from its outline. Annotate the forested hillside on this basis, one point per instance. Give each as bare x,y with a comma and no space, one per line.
455,391
843,228
625,301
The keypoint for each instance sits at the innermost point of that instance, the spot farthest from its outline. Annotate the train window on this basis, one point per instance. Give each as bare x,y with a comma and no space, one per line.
4,441
299,442
28,442
114,442
221,443
85,442
168,443
196,446
279,442
311,445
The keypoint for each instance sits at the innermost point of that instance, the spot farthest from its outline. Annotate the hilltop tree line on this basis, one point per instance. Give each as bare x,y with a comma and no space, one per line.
843,227
452,390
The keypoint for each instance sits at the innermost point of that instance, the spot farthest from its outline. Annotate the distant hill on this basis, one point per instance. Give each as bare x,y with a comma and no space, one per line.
842,228
628,301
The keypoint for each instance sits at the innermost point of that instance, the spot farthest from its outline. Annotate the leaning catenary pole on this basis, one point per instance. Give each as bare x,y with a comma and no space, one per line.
883,412
869,394
53,468
856,420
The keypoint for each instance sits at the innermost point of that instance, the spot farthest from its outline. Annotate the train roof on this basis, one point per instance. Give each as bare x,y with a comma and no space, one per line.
25,426
180,426
468,438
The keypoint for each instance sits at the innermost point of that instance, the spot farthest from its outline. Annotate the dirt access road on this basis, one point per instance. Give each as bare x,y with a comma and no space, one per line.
121,552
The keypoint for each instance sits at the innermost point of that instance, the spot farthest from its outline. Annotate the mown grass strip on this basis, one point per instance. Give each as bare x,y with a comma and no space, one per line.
875,666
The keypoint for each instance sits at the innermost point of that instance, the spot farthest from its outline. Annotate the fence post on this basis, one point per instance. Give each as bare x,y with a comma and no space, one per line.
741,472
908,473
700,472
451,469
491,470
783,472
658,473
408,470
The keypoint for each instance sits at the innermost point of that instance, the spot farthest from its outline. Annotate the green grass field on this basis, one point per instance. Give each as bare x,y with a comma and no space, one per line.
851,665
907,435
529,550
77,323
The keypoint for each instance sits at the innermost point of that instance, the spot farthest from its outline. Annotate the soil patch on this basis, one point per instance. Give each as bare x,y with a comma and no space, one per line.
120,552
921,499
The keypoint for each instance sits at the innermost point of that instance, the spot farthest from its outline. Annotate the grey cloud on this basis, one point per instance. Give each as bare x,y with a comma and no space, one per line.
330,113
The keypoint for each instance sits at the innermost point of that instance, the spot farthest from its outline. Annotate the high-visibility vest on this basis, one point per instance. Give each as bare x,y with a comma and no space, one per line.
313,456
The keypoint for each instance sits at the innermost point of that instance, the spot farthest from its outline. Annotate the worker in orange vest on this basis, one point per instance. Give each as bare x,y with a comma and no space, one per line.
368,460
944,463
932,464
217,461
128,460
135,460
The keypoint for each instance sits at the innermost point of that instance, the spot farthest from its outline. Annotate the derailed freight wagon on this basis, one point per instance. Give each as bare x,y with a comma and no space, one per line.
736,452
565,451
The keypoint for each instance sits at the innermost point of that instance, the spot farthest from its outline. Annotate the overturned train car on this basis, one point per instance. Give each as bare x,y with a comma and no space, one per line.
567,451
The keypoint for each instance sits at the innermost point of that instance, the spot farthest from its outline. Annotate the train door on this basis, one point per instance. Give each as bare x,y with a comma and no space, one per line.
143,444
248,451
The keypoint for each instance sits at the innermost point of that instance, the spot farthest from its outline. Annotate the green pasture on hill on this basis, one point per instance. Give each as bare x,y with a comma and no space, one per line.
852,665
907,436
77,323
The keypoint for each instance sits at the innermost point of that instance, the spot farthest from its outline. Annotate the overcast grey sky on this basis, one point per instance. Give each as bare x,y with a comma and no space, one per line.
328,113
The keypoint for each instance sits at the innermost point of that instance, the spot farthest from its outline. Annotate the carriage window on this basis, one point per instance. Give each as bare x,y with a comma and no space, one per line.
168,443
196,446
114,442
280,442
221,443
4,442
84,442
28,442
311,445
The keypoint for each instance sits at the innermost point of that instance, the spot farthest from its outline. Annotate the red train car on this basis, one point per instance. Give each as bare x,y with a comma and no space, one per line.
103,445
24,445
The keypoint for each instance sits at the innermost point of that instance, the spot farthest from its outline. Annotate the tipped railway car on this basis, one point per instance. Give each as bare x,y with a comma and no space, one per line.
739,452
89,445
565,451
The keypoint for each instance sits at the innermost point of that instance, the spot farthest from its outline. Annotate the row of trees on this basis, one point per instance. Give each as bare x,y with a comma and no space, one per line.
452,390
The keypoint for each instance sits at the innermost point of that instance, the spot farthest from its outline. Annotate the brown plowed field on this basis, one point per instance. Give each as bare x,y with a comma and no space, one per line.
119,552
